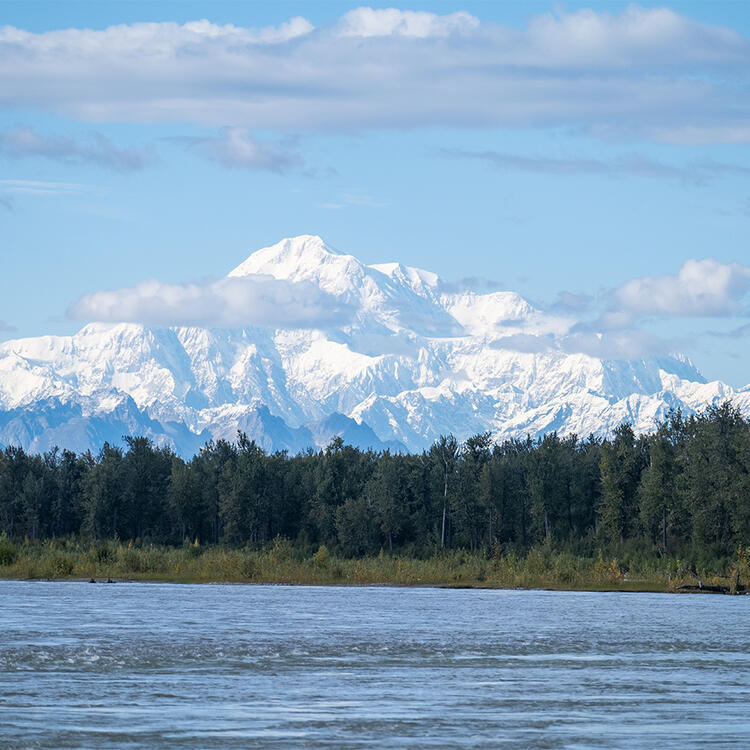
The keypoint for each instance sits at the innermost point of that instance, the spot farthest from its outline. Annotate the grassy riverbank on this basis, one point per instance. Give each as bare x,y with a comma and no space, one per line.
282,563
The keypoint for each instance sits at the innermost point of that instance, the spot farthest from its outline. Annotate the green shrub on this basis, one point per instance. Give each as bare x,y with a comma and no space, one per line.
192,549
8,551
62,566
281,551
129,559
248,566
103,553
322,556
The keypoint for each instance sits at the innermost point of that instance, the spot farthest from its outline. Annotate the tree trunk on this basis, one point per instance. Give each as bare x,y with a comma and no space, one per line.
445,505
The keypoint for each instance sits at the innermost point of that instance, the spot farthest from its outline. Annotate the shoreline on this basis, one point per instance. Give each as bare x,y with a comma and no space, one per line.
382,584
539,568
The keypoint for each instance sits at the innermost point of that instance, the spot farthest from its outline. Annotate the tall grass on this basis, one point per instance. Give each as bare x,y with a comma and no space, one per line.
281,562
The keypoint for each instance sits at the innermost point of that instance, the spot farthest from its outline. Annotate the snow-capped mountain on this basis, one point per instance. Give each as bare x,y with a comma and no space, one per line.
409,359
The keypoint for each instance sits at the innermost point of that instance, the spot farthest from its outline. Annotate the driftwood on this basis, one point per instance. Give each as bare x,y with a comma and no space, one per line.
691,572
706,589
710,589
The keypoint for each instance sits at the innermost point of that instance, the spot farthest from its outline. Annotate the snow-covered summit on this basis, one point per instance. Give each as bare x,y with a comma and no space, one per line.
388,297
415,359
294,258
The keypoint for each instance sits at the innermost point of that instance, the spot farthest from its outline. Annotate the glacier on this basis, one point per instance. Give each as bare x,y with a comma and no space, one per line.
411,358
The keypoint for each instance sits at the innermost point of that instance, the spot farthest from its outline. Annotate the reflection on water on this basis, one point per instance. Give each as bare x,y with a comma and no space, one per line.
160,665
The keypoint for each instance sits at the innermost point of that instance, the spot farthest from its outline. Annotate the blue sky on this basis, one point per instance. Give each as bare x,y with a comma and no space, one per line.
592,155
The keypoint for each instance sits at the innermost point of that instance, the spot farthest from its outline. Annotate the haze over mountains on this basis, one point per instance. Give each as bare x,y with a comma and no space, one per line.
387,356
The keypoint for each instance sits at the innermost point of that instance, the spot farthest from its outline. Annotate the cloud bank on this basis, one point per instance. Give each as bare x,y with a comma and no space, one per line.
227,303
630,344
645,73
615,324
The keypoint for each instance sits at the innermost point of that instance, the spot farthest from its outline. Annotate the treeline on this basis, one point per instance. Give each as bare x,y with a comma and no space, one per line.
687,485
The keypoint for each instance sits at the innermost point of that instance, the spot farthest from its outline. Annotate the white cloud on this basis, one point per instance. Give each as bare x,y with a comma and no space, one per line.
616,323
626,344
227,303
629,344
370,22
237,148
702,287
638,36
645,73
23,142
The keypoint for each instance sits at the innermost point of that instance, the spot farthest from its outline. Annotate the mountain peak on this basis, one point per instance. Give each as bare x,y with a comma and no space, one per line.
407,359
286,257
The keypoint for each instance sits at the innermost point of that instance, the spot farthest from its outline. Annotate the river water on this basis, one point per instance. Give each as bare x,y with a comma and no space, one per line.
161,665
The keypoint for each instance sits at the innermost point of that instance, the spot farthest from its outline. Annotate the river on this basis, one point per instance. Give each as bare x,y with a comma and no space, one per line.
196,666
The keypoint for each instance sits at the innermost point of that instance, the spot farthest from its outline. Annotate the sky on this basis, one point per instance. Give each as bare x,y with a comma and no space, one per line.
593,157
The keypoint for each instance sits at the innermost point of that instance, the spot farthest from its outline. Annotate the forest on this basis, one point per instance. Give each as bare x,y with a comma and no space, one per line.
683,489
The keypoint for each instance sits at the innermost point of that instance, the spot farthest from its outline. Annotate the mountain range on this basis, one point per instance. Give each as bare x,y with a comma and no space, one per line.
392,358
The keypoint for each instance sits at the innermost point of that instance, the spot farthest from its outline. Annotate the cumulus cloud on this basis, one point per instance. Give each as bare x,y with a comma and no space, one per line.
701,287
624,323
237,148
227,303
615,323
370,22
644,73
636,36
24,142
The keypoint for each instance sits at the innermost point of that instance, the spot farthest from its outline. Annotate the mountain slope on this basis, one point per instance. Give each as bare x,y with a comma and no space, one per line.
408,360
